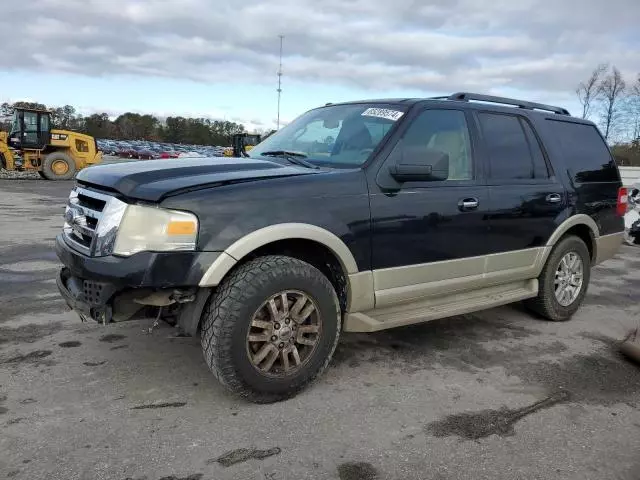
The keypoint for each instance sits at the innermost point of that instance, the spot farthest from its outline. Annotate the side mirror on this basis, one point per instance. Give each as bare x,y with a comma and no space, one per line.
420,164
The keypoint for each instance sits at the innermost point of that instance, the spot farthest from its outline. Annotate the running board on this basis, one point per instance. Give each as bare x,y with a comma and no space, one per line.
426,309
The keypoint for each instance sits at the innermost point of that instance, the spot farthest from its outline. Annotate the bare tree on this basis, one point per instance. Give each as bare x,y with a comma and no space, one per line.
613,89
632,110
590,90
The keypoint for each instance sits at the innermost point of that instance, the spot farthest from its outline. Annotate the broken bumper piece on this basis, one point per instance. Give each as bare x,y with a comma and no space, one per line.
87,298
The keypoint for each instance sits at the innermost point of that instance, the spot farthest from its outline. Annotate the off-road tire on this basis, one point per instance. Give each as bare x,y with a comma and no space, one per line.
546,304
228,315
41,173
47,169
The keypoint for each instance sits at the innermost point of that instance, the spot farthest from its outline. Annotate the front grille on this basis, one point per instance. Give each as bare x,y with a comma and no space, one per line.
82,217
92,203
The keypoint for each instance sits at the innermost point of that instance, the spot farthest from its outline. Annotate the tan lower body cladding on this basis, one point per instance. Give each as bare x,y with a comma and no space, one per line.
394,297
429,291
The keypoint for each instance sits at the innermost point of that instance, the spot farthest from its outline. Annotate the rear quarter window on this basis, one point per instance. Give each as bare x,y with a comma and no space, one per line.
585,152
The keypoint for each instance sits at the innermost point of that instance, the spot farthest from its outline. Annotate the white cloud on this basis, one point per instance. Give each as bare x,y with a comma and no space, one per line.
440,45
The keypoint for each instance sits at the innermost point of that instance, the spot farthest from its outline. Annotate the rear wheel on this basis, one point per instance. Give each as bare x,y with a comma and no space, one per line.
58,166
564,280
271,328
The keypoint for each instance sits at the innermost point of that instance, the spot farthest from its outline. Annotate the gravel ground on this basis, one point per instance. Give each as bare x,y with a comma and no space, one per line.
494,395
33,175
12,174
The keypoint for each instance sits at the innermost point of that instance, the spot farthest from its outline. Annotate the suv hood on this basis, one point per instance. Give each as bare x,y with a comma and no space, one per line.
151,180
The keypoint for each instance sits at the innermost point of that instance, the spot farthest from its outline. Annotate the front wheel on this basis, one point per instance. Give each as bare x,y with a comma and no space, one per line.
564,280
271,328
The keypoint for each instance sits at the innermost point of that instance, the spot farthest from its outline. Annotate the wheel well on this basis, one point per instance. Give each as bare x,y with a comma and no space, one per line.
313,253
586,235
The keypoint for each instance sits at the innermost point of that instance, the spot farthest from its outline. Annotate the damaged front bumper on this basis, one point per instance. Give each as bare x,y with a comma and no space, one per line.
113,289
87,298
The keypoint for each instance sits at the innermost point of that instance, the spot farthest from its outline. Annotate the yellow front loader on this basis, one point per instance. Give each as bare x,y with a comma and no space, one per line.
242,143
31,145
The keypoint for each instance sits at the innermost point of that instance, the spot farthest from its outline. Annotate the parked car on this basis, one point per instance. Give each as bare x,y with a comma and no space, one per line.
146,154
421,209
141,149
632,217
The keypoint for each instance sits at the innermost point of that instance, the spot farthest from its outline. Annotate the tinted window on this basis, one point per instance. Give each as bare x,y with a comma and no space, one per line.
44,123
540,169
444,131
82,146
509,153
30,121
585,153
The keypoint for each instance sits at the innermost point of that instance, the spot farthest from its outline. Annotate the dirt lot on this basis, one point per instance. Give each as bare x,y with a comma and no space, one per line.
494,395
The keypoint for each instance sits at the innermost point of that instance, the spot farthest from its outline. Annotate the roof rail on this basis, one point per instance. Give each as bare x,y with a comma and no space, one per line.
466,96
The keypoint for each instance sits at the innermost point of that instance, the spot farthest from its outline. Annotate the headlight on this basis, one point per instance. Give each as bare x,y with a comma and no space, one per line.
155,229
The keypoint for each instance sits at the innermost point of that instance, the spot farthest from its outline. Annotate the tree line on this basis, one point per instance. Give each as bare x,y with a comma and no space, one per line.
613,102
133,126
606,97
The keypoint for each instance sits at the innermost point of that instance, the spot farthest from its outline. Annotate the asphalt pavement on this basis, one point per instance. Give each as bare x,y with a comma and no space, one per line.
499,394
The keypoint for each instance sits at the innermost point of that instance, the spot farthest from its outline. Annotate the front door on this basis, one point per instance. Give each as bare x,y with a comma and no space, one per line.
428,232
30,131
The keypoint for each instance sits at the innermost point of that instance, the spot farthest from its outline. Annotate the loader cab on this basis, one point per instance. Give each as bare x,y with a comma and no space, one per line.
242,142
30,129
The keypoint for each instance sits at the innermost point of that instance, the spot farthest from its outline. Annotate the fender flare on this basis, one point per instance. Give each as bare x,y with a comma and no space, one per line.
579,219
273,233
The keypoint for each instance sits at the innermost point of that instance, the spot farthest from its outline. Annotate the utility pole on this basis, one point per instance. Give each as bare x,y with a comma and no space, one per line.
280,80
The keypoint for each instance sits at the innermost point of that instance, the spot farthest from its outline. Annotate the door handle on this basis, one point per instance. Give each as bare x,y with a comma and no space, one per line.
554,198
466,204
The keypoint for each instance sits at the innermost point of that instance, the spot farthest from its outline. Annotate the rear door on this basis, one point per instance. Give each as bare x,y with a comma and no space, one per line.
525,196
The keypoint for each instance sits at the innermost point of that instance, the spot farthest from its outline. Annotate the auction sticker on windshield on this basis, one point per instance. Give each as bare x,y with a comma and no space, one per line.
383,113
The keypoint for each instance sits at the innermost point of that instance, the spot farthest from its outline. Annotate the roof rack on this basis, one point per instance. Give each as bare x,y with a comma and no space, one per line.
465,96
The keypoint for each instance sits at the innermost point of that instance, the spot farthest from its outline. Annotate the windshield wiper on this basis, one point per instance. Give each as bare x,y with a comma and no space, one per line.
294,157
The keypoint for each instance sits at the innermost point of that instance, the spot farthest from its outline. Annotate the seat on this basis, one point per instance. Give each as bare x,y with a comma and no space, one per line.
453,143
354,135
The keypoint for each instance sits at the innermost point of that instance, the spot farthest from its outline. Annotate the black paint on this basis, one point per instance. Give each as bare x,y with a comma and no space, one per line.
383,222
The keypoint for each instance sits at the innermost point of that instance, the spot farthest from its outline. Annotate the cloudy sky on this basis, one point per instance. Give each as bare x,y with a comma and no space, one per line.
219,58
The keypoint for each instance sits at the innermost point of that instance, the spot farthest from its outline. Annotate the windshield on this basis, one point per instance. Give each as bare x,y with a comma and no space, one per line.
336,136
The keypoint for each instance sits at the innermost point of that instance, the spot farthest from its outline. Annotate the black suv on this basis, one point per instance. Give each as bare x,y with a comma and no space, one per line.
356,216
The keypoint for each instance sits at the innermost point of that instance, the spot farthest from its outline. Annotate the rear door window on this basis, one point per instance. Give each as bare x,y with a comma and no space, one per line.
585,152
540,169
513,150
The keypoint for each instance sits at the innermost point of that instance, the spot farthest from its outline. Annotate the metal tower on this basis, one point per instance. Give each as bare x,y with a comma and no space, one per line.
280,80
